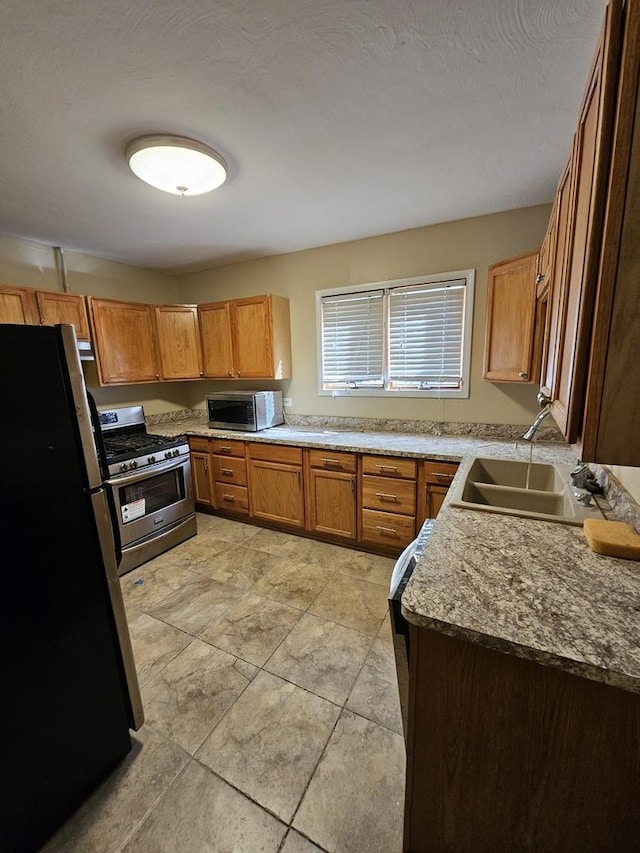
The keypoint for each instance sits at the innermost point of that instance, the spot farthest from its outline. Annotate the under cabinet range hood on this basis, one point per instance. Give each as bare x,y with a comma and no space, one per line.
85,351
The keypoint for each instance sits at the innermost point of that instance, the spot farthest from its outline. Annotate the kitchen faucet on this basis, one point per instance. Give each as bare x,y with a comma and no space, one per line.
545,401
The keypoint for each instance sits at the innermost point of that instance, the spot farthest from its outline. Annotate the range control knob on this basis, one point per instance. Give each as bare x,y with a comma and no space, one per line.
123,466
167,454
134,464
176,452
151,459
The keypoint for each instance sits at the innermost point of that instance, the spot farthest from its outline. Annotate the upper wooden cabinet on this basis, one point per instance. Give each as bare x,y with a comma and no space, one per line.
125,341
511,314
246,338
18,305
178,341
27,306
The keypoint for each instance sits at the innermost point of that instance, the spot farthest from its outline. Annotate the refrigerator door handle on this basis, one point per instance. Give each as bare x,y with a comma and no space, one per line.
83,414
107,545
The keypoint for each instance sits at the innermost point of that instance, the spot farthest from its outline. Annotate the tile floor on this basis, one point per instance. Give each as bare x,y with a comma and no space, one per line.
272,716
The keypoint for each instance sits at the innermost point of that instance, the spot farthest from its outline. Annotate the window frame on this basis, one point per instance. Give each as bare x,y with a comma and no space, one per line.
467,332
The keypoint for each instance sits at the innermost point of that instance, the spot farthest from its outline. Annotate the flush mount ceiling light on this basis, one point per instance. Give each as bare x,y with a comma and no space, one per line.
176,164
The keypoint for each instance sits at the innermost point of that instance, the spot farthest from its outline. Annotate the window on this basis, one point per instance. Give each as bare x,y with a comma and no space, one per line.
410,337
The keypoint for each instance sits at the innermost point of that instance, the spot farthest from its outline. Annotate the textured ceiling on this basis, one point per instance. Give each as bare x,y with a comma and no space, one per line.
339,119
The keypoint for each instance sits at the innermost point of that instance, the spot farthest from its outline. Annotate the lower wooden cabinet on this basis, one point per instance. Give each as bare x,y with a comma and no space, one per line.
388,501
200,470
275,484
434,479
331,494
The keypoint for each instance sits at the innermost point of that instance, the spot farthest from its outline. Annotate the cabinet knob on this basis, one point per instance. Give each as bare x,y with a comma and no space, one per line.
523,375
239,374
231,373
539,278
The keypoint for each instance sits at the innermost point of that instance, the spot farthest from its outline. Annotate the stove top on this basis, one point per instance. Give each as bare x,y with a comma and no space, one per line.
128,445
119,447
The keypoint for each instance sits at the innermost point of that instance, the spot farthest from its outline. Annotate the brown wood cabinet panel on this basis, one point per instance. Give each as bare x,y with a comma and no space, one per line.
227,447
439,473
333,461
59,307
389,494
504,754
434,479
592,156
178,341
251,336
18,305
387,528
276,492
200,467
201,444
124,339
215,335
511,301
276,453
229,470
331,503
232,498
389,466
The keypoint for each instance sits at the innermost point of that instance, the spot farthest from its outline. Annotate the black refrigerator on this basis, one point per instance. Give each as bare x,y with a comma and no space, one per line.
69,693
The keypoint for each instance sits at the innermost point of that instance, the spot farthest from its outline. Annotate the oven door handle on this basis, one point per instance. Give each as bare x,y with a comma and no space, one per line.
145,473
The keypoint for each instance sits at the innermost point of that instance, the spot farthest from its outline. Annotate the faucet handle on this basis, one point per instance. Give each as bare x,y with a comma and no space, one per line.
543,400
580,475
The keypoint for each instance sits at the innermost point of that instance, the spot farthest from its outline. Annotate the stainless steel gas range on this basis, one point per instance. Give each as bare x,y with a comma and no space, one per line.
149,478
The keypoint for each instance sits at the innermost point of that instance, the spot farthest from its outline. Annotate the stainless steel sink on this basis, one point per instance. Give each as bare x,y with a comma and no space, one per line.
511,487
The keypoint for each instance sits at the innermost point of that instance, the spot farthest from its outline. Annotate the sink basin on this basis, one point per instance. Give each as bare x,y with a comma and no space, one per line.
500,485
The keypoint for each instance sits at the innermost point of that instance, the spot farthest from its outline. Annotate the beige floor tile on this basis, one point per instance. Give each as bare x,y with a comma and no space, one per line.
240,566
293,582
200,813
367,567
354,802
297,548
270,741
235,532
195,605
375,693
197,553
322,657
296,843
253,628
148,585
385,630
205,522
109,816
354,603
188,698
154,644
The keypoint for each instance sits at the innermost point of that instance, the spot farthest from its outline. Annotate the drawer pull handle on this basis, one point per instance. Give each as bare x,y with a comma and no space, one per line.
206,465
444,476
386,530
385,497
228,498
225,449
227,472
387,467
331,462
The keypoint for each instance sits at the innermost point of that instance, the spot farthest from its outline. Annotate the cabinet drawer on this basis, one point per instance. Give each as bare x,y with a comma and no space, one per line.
389,494
439,473
276,453
227,448
229,469
199,444
387,528
330,461
389,466
232,498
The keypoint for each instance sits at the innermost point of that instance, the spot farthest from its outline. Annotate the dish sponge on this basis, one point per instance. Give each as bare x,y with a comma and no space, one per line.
614,538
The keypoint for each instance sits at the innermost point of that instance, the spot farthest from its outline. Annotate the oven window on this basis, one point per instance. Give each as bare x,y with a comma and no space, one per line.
151,494
231,412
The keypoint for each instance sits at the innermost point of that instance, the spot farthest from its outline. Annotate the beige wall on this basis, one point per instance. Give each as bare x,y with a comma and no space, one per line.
464,244
30,264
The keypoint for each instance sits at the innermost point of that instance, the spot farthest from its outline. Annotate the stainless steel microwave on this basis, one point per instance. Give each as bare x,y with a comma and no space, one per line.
245,410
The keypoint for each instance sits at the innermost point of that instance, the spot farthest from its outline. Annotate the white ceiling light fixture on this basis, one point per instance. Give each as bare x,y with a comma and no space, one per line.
176,164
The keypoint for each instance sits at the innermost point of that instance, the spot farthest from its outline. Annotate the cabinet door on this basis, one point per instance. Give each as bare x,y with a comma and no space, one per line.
124,339
276,492
215,335
251,333
18,305
200,467
331,502
592,153
435,499
71,308
511,300
178,341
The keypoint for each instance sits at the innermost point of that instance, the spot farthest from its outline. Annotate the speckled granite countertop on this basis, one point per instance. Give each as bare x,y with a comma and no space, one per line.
524,587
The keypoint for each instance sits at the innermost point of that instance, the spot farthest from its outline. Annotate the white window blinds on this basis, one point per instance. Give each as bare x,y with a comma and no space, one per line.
426,330
352,340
